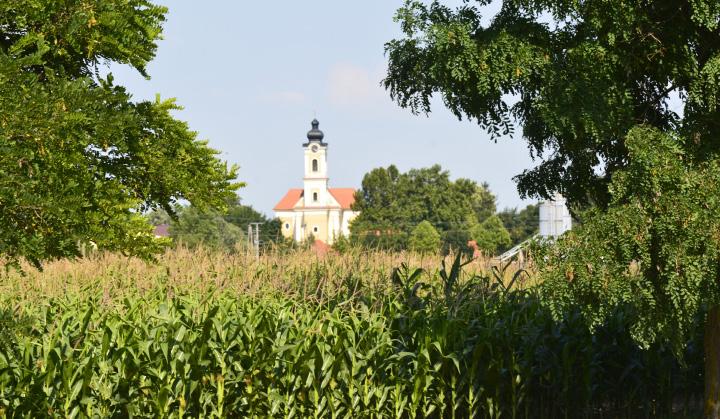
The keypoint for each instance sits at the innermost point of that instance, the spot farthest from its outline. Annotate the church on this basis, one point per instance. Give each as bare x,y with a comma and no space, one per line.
316,210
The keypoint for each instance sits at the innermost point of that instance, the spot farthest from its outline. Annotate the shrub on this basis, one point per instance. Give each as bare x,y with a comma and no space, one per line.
491,236
424,238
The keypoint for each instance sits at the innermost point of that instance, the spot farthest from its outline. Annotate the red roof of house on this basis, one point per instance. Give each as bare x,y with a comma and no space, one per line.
162,230
289,200
344,196
321,248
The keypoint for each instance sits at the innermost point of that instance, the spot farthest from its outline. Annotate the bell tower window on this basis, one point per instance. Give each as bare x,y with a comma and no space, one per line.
315,196
314,165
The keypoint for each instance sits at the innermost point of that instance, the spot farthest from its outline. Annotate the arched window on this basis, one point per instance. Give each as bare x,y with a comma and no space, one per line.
314,196
315,165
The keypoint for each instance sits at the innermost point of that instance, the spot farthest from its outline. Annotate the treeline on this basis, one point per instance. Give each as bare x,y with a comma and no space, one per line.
423,210
420,210
215,229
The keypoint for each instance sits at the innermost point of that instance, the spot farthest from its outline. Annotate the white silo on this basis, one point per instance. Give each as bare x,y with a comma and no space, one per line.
555,217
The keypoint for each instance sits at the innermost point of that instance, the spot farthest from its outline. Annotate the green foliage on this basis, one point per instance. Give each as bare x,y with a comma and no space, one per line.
342,245
522,224
436,345
160,217
656,248
576,75
72,37
195,228
392,204
78,159
211,228
483,201
491,236
456,241
619,100
243,215
424,238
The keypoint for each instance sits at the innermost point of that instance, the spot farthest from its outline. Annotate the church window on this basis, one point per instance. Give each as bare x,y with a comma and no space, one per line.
287,226
315,197
315,229
315,165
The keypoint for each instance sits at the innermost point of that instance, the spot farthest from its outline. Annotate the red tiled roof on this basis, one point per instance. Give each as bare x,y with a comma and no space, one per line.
289,200
321,248
344,196
162,230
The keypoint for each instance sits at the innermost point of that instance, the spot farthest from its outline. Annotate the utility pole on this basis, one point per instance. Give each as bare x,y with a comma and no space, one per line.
256,238
249,237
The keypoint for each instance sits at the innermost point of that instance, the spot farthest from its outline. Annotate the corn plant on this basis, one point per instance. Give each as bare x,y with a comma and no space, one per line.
331,339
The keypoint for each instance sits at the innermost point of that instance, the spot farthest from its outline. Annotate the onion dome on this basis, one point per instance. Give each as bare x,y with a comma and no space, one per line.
315,134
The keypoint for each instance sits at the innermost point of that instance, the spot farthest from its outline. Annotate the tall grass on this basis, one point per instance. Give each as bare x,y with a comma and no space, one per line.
363,335
297,274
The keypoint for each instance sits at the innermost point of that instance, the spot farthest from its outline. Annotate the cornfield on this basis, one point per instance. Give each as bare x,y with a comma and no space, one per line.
202,334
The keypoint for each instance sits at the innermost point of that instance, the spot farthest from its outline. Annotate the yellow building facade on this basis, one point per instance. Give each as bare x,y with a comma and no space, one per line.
316,210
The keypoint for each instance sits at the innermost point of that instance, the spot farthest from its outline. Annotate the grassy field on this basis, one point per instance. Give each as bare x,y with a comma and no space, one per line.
203,334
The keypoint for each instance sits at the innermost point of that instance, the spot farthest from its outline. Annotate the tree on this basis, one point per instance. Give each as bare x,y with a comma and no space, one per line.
424,238
80,160
160,217
656,248
195,228
342,245
382,220
491,236
577,84
585,80
522,224
483,201
244,215
392,204
215,229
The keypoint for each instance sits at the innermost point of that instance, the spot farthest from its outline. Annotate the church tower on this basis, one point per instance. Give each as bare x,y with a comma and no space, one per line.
316,211
315,181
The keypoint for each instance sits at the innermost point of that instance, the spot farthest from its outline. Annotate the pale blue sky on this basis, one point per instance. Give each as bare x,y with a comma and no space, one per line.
252,75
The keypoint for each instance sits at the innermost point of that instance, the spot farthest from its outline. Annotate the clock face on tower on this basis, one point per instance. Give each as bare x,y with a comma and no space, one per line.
314,148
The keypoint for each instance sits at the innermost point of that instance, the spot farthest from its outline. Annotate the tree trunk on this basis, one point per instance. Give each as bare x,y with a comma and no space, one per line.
712,363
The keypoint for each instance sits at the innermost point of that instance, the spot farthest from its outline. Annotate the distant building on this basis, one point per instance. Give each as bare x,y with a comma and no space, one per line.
555,217
316,210
162,230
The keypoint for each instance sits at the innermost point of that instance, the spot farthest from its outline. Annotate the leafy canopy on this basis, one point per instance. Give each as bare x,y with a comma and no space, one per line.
522,224
424,238
392,204
656,248
195,228
244,215
491,236
619,101
576,75
79,160
217,230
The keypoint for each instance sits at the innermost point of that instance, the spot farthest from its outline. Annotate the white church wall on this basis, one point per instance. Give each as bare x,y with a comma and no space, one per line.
317,211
